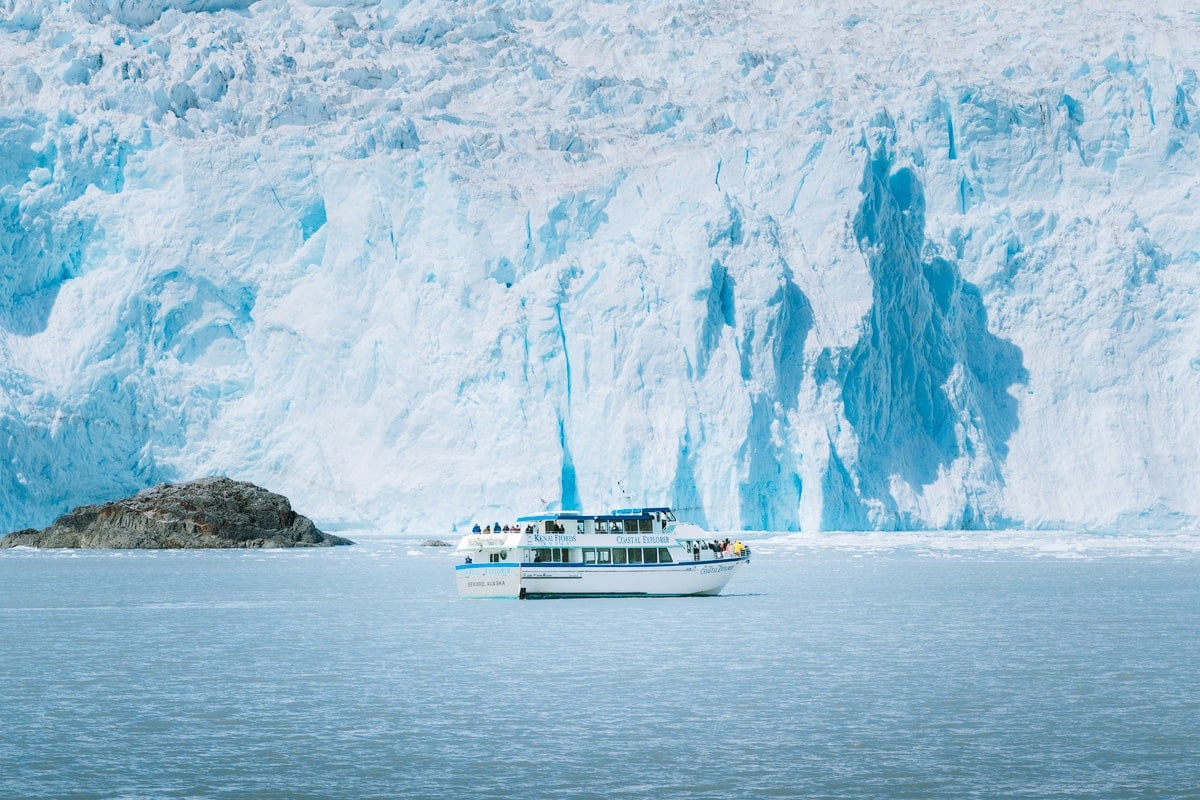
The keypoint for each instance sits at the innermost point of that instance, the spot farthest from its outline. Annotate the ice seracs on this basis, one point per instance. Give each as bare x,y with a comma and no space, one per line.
794,266
630,552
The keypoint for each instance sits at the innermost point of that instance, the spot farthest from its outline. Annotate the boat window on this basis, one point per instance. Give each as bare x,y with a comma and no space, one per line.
645,525
650,555
541,554
664,556
631,526
603,555
618,554
589,555
635,555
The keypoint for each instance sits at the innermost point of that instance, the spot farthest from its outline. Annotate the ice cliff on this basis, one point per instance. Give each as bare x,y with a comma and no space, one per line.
820,266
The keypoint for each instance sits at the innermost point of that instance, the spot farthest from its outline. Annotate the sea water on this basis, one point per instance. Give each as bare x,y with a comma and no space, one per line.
836,666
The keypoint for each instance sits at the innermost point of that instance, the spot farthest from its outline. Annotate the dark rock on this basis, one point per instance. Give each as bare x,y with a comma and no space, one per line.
210,512
435,543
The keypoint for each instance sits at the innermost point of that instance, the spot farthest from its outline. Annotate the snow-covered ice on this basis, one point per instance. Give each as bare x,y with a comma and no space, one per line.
814,266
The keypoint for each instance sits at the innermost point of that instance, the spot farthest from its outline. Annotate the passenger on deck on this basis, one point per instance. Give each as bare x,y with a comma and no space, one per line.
476,528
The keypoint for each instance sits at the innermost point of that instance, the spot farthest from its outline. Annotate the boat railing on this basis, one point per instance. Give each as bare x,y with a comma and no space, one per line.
706,551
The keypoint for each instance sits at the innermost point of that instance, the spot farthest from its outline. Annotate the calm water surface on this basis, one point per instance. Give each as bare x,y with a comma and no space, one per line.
838,667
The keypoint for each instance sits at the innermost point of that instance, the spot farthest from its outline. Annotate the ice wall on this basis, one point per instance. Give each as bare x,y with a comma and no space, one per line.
418,264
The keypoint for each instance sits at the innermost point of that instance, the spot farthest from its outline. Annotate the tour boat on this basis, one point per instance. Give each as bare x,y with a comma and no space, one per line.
631,552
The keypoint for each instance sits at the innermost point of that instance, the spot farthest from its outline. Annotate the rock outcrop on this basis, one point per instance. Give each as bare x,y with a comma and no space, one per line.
206,513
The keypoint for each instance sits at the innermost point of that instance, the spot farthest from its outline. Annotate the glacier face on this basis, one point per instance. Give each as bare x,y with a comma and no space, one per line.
415,264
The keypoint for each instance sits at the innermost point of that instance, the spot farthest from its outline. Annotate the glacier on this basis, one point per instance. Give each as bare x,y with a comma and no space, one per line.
816,267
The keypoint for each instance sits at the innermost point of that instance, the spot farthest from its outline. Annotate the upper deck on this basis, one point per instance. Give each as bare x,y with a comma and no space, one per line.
657,526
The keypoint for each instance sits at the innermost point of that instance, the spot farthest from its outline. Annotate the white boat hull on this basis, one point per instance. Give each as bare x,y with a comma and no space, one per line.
517,580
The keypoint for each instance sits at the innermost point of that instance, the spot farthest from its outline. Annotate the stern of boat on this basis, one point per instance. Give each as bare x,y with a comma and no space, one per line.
489,579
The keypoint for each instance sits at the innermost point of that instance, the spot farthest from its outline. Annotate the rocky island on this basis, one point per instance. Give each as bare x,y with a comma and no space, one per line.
205,513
